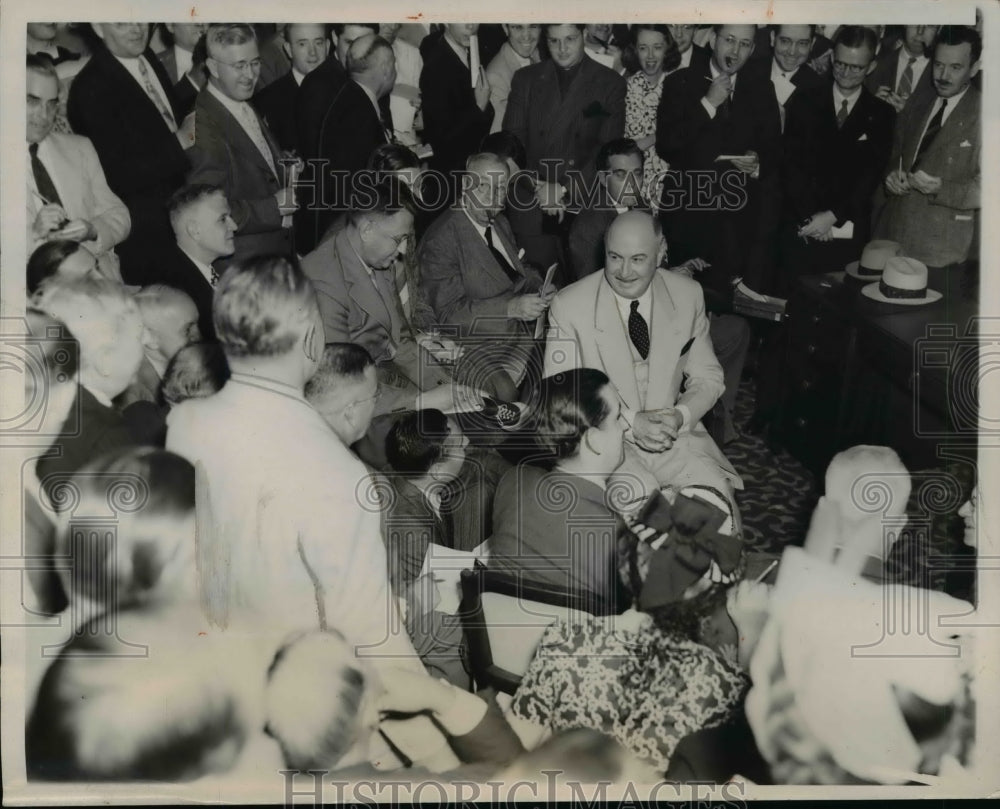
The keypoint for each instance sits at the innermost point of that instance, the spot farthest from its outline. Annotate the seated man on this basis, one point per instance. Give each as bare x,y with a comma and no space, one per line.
105,321
68,196
607,321
196,371
203,227
59,258
619,175
355,275
295,483
427,455
472,273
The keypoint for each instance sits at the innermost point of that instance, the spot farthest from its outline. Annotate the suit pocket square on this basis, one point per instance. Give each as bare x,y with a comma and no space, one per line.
964,145
595,110
864,136
687,347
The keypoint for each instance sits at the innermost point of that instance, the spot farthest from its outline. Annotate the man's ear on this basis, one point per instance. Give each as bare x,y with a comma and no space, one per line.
286,48
149,340
212,66
975,67
773,37
506,29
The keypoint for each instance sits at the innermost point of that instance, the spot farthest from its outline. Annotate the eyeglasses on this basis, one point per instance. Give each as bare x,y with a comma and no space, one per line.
375,398
854,70
242,65
398,240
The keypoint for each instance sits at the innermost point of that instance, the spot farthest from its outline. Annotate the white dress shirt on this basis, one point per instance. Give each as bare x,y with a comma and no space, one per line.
839,98
497,241
918,68
183,60
715,73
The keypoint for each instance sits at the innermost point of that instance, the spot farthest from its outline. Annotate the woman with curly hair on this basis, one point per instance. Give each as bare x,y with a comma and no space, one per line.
655,54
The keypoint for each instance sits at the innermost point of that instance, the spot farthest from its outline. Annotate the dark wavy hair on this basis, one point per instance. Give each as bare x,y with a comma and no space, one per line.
571,405
630,54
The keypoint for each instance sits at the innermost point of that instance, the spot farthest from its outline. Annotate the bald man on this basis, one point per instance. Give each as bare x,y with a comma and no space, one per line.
646,328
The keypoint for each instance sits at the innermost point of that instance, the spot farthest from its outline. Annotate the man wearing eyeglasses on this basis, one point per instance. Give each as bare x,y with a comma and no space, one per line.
837,141
235,150
690,52
719,129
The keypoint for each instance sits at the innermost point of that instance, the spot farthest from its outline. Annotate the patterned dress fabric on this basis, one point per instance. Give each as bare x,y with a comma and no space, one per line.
646,689
641,101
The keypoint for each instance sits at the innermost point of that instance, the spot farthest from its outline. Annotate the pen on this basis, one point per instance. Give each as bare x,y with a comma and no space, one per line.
767,570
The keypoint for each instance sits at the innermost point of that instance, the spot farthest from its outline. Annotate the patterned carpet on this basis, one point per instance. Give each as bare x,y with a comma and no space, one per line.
779,493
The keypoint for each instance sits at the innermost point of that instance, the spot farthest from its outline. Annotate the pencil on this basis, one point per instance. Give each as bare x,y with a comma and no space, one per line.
767,570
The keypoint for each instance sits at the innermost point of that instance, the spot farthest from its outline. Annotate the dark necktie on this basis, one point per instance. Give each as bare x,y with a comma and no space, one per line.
512,274
638,330
842,113
385,118
43,180
906,80
725,108
933,127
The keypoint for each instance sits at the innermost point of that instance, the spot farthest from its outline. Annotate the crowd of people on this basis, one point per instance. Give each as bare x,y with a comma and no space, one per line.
340,297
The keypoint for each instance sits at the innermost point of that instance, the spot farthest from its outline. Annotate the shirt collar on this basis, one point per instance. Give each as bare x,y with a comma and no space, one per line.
952,102
480,229
839,97
905,56
776,71
235,107
206,269
298,76
371,97
715,73
270,385
686,57
523,61
459,50
625,304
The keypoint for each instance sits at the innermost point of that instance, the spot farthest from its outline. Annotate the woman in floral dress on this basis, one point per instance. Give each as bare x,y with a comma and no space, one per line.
657,55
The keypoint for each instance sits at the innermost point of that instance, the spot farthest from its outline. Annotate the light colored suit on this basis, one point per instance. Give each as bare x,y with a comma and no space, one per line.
586,330
936,229
285,540
76,172
499,73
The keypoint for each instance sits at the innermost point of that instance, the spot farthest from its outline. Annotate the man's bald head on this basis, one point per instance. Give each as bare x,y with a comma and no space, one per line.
371,61
486,186
634,248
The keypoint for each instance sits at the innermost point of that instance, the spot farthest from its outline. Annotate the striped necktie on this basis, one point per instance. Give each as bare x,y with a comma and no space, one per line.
906,80
842,113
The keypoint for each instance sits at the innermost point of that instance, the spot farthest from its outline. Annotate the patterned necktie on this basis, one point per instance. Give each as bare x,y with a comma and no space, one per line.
842,113
906,80
500,257
214,280
147,84
43,180
638,330
933,127
252,127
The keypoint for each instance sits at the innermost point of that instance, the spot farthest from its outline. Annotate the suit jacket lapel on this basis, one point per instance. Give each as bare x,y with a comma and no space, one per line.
128,86
469,236
921,115
665,344
234,133
612,343
359,284
569,107
956,128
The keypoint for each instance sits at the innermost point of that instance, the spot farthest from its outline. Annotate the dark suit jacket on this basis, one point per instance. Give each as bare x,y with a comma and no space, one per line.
454,125
276,103
805,78
937,228
555,529
462,280
184,90
101,429
175,269
571,129
224,155
350,131
884,75
316,92
721,222
833,169
142,159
